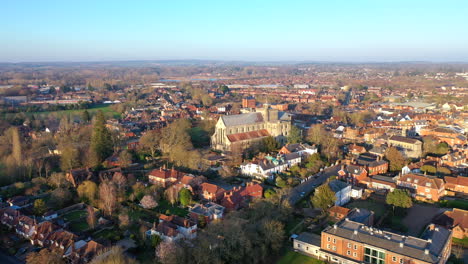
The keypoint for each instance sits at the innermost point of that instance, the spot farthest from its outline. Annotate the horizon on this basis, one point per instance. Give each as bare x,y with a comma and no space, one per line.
362,31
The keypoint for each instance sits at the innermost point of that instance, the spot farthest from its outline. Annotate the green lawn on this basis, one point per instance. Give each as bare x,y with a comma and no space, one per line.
105,108
378,208
462,242
111,234
460,204
165,207
74,215
79,226
295,258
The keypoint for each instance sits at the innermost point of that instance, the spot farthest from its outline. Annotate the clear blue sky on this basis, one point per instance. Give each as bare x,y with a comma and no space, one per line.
324,30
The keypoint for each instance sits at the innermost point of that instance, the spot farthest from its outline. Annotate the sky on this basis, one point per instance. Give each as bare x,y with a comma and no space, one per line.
245,30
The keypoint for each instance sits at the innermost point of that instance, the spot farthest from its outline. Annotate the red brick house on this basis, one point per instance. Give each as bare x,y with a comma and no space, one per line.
337,212
164,177
423,187
457,220
211,192
457,184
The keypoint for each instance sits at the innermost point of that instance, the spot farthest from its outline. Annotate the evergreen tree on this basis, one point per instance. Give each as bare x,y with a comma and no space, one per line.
295,135
324,197
101,141
85,116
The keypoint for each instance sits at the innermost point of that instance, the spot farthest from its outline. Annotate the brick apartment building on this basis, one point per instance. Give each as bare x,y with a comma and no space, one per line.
353,242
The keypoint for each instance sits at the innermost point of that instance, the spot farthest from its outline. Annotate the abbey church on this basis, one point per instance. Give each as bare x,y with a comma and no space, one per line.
245,129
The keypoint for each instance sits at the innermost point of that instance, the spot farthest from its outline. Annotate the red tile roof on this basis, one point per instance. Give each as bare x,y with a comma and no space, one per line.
248,135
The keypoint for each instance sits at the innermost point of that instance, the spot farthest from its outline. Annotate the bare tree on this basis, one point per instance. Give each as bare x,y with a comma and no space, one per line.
91,218
108,197
148,202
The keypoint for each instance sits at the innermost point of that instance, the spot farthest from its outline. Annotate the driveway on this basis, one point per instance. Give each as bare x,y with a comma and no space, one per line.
419,216
308,186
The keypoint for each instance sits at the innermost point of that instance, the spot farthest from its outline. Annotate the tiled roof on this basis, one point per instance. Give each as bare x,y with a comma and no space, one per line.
422,180
248,135
404,139
463,181
339,210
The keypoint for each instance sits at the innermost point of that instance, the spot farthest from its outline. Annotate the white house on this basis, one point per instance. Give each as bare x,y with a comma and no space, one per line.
269,166
342,192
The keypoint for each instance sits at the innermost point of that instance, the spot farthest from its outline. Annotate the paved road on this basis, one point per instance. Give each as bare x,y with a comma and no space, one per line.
8,259
308,186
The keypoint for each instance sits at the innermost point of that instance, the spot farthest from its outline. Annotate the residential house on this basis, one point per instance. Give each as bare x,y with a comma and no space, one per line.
300,148
82,252
267,167
453,159
210,211
19,201
373,164
9,217
60,239
211,192
457,184
164,177
342,192
423,187
337,213
379,182
77,176
41,232
173,227
353,174
25,226
456,220
239,196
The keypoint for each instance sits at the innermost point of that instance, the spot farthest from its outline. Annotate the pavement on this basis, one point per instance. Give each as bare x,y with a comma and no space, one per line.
305,188
5,258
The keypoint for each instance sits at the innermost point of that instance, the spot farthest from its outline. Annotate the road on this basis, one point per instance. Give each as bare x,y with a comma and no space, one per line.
308,186
8,259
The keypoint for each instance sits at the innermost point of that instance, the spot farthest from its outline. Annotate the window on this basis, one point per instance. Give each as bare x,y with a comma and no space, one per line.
334,241
328,239
328,246
348,252
401,260
393,259
349,245
374,256
298,245
354,254
427,190
355,247
334,248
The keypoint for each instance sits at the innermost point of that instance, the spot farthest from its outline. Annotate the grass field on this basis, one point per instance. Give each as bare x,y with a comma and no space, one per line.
105,108
79,226
165,207
295,258
75,215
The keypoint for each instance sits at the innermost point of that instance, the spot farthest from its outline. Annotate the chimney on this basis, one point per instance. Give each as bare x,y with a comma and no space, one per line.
401,244
355,232
426,251
335,226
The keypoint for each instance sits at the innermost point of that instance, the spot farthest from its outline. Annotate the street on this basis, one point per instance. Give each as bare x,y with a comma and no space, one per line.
8,259
306,187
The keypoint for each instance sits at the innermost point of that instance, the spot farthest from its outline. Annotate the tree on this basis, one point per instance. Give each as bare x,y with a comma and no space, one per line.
443,171
395,158
125,158
269,193
273,233
124,219
399,198
269,144
428,169
295,135
185,197
315,134
60,197
280,182
224,89
155,240
69,158
150,142
91,218
101,145
108,197
115,255
171,195
88,191
39,207
85,116
45,256
442,148
323,197
148,202
166,252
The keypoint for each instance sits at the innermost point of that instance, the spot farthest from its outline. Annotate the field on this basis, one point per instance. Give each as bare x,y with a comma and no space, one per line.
74,215
165,207
105,108
295,258
79,226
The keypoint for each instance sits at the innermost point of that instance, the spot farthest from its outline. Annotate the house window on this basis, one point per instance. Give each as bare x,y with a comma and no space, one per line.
354,254
298,245
334,241
349,245
427,190
348,252
393,259
334,248
355,247
328,246
401,260
328,239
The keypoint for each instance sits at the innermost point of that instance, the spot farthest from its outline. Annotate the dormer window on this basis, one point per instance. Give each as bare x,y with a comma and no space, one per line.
416,181
428,184
409,179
